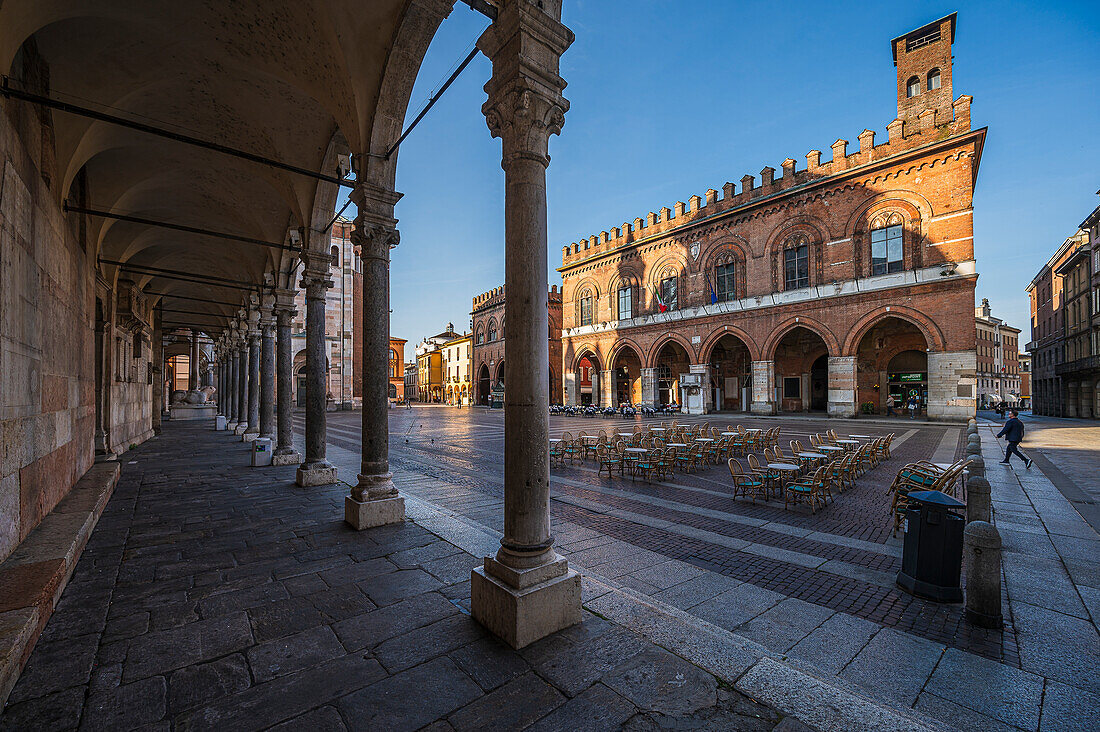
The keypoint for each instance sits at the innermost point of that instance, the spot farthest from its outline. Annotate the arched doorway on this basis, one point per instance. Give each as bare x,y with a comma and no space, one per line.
626,374
731,369
892,358
587,374
801,371
672,360
483,385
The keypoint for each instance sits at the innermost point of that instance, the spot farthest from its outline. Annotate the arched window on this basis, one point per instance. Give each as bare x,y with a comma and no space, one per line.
492,330
912,87
887,247
725,276
933,80
625,305
335,251
480,338
668,291
796,263
584,307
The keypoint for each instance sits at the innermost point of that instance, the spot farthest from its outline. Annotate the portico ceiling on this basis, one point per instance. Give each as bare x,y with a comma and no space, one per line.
296,81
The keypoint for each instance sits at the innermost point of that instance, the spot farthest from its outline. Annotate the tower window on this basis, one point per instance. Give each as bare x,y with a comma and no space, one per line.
796,267
933,80
887,250
912,87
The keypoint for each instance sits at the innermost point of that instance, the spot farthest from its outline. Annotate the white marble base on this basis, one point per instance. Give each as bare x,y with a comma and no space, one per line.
316,475
290,458
241,428
539,607
185,412
368,514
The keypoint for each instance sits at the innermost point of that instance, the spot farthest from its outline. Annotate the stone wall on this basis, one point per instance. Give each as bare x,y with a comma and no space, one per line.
47,407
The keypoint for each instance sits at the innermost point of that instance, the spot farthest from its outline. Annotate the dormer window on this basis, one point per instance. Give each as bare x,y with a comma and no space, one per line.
933,80
912,87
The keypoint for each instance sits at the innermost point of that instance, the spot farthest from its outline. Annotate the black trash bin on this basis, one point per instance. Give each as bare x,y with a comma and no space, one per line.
932,558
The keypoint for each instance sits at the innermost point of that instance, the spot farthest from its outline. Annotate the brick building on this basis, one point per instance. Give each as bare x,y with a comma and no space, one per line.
397,368
824,289
1025,380
998,350
487,324
1048,345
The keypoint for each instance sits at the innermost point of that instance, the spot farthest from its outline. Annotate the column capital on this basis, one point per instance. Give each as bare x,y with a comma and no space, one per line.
525,104
374,239
315,277
267,311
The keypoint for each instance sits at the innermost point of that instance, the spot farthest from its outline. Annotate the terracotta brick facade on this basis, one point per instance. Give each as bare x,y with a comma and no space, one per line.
826,288
487,323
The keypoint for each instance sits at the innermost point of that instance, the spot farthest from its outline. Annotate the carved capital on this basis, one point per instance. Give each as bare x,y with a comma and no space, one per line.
524,118
315,277
374,240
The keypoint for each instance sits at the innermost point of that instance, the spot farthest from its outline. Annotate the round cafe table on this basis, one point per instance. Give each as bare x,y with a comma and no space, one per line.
730,434
704,439
590,438
787,470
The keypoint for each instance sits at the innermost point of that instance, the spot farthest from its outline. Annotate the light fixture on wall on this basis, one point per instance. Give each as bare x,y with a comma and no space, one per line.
948,269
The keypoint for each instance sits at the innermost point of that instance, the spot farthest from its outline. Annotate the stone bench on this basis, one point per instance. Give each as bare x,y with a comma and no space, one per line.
34,576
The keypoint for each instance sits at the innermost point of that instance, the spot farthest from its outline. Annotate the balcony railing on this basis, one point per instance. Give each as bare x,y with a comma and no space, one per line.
1088,363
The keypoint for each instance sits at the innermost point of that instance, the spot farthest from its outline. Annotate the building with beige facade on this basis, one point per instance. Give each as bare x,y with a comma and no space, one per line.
458,362
998,350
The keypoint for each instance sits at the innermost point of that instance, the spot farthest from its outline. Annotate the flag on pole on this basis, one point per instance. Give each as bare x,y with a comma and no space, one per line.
660,301
713,295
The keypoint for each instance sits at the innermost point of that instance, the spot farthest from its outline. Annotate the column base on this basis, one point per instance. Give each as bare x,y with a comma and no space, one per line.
241,428
842,409
762,408
231,426
531,604
368,514
311,474
250,436
286,458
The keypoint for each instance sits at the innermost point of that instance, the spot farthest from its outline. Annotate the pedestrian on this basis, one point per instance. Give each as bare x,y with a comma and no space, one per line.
1013,432
912,405
890,403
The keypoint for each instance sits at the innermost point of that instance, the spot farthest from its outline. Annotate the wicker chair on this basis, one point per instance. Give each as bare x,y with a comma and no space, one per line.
746,484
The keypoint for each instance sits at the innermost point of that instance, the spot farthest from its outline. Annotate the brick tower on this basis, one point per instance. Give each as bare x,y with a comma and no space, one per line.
923,61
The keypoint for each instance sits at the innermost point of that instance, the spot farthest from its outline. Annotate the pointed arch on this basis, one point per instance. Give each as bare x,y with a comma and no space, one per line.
800,321
932,333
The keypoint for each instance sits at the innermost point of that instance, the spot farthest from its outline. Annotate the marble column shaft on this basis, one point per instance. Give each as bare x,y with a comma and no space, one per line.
315,469
253,383
193,377
231,386
267,379
242,384
284,368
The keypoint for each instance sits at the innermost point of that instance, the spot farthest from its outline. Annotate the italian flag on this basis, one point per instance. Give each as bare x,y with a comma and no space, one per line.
660,301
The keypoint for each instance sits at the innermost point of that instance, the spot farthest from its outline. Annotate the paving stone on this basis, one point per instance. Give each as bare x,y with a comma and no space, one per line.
667,574
736,606
294,652
166,650
699,589
325,719
991,688
125,627
835,642
595,709
1042,582
283,617
128,707
173,615
782,626
58,711
75,621
452,569
309,584
489,662
959,717
390,588
658,681
341,602
572,660
421,644
1068,709
438,687
357,572
411,558
877,669
228,602
1058,646
286,697
56,666
513,706
370,629
204,682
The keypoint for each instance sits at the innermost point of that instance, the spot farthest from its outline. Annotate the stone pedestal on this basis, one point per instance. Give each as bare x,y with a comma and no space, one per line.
842,386
521,606
286,458
315,474
368,514
763,387
193,411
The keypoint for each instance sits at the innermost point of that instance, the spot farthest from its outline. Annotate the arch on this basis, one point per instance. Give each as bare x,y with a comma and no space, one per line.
717,253
484,385
882,209
912,87
588,351
620,345
800,321
670,264
732,330
926,325
491,330
651,357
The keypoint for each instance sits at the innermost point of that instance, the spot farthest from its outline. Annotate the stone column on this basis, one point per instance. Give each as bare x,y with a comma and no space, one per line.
651,391
702,400
527,591
842,386
374,500
267,369
594,377
763,387
231,361
284,453
572,389
242,381
952,386
253,430
193,377
102,390
607,388
315,469
155,365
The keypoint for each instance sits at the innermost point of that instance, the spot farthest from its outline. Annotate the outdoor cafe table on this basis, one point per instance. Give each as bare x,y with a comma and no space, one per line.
704,439
555,440
638,450
859,437
830,448
847,442
730,434
626,435
658,429
590,438
788,468
676,444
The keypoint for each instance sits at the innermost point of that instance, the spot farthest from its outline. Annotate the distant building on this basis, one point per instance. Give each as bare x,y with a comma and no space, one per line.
397,368
1065,317
998,365
458,361
487,321
411,381
429,364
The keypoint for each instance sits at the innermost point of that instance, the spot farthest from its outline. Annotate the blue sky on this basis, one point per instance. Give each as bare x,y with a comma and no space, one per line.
669,99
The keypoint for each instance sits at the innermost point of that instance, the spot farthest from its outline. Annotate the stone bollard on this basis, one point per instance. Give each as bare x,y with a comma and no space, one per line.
976,467
979,506
982,560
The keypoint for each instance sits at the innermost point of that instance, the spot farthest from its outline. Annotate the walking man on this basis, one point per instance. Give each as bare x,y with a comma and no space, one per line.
890,406
1013,432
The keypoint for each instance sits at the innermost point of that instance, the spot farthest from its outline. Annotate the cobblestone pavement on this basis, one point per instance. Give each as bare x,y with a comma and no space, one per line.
216,596
815,588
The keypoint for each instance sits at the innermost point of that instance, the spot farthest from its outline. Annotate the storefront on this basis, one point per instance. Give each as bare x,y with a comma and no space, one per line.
904,386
